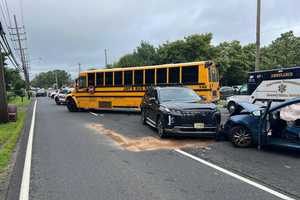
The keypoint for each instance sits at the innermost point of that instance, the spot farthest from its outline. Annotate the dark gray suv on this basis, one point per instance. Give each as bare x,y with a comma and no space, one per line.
179,111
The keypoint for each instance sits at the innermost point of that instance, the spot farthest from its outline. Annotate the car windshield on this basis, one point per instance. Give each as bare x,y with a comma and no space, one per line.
178,94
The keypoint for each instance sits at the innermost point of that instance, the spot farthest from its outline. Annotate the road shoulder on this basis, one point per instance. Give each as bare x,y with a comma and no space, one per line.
12,185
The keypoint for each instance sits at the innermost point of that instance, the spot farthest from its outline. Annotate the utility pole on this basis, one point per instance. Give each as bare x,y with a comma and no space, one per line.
23,60
79,69
105,54
3,98
257,57
56,79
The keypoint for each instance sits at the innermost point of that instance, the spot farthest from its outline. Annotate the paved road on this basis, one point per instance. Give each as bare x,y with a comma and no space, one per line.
72,161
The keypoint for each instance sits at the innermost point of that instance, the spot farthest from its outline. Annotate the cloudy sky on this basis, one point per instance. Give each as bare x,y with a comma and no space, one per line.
62,33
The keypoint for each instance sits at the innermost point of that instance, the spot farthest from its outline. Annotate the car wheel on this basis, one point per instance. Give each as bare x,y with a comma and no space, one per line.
231,108
160,128
57,101
143,117
71,105
240,136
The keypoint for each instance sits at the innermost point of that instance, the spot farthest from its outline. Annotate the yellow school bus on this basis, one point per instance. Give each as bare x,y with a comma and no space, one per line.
123,88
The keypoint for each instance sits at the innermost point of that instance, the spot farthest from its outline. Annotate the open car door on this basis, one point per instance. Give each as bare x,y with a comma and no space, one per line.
288,134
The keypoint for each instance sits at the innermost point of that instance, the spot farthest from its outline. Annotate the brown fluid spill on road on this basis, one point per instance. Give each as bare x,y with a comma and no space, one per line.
148,143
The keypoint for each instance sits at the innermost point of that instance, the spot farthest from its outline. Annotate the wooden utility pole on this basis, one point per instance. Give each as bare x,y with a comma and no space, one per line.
23,60
105,54
3,98
56,79
257,57
79,69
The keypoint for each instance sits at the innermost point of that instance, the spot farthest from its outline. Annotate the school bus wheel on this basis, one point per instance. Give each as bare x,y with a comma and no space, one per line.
71,105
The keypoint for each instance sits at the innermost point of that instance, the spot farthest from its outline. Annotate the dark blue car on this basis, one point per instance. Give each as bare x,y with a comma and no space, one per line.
257,125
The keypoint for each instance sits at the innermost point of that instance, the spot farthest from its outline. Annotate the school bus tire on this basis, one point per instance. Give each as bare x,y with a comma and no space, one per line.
71,105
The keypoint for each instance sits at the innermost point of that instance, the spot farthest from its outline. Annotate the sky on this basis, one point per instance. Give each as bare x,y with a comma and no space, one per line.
63,33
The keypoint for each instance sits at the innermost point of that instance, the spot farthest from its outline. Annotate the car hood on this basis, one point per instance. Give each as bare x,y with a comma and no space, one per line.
249,106
188,106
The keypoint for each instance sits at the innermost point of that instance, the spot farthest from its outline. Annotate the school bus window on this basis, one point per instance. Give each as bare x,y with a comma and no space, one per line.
128,78
99,79
118,78
174,74
150,76
91,79
138,77
190,74
213,74
161,75
108,78
82,82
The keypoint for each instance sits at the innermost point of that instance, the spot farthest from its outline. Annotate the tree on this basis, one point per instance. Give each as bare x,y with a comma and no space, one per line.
233,63
128,60
172,52
235,59
193,48
144,54
48,79
282,52
13,79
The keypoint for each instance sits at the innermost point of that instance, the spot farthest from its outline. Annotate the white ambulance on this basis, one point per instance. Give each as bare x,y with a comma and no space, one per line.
276,85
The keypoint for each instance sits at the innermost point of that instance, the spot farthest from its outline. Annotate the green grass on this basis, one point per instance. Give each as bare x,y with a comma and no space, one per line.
10,132
18,101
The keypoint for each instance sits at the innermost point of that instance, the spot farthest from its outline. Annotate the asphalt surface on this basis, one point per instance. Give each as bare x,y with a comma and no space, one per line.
72,161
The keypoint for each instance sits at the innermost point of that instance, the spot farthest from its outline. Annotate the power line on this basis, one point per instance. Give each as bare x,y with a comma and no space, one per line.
22,11
4,7
3,15
7,49
8,13
11,55
23,59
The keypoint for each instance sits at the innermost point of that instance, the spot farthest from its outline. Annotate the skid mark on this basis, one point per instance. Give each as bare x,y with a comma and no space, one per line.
148,143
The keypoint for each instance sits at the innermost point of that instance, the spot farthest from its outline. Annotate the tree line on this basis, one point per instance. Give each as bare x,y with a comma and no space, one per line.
235,60
14,83
48,79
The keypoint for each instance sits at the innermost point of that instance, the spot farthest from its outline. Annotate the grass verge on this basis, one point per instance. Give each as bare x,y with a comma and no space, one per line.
18,101
10,132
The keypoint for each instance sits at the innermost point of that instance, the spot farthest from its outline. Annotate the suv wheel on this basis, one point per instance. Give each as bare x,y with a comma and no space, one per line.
160,128
143,117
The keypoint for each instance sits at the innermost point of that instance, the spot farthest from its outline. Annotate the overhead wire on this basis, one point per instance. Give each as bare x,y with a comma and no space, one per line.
11,58
10,28
6,46
8,13
3,14
9,48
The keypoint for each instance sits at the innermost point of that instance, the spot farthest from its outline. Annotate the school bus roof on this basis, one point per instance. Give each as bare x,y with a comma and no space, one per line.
145,67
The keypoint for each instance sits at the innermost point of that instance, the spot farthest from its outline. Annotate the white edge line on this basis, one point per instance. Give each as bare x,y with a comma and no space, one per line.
24,190
243,179
93,114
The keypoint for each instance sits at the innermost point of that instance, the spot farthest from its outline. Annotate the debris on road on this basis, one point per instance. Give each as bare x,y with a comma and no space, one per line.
149,143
